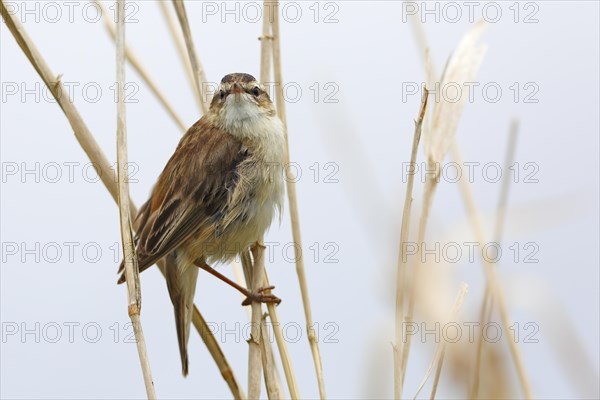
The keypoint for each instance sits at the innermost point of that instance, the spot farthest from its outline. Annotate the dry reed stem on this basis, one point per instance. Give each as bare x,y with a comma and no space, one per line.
467,195
492,281
199,75
181,50
272,379
96,156
139,68
293,203
484,311
265,64
266,346
478,230
461,67
429,191
438,372
240,280
271,376
458,303
401,272
132,272
282,346
254,353
80,129
487,304
503,201
255,271
215,351
420,37
266,43
438,356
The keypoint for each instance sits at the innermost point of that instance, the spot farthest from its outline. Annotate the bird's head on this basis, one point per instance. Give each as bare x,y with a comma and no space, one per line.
240,102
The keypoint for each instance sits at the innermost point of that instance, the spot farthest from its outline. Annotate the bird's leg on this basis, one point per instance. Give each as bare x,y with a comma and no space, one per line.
258,296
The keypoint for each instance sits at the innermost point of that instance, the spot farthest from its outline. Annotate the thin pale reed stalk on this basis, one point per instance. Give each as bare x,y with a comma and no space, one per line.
438,373
256,279
240,279
484,311
504,190
54,84
215,351
271,375
420,37
293,204
259,346
199,75
478,230
286,362
462,292
132,272
492,281
180,46
272,380
288,370
266,43
438,356
487,305
431,182
402,259
445,126
269,369
143,72
462,66
96,156
255,271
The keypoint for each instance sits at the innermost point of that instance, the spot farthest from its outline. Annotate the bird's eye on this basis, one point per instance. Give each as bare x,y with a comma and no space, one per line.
222,94
256,91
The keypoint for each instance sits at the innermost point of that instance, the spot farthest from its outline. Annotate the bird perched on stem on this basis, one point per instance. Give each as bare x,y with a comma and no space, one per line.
216,196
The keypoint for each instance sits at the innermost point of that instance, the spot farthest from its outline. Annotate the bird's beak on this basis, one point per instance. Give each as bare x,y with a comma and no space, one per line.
237,90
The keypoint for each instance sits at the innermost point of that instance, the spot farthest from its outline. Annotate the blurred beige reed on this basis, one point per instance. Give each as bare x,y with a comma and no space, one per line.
439,135
440,351
439,140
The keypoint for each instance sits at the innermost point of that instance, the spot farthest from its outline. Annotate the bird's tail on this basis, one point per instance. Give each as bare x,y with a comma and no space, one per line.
181,282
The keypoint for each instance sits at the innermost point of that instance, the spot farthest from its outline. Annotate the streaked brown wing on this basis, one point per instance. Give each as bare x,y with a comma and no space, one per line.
191,193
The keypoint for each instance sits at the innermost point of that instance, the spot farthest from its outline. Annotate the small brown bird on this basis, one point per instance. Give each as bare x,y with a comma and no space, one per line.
216,196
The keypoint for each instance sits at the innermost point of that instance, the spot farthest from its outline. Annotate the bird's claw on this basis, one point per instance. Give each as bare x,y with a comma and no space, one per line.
260,297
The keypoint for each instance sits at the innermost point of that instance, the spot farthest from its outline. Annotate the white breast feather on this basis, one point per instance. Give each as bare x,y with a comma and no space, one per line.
245,120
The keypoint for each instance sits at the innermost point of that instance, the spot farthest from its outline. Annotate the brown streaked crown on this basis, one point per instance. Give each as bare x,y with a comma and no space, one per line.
238,77
249,84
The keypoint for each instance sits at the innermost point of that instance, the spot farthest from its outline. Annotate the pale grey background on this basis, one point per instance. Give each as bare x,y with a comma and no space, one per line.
368,54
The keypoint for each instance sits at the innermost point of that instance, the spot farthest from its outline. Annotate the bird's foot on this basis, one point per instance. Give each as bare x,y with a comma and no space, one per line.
261,297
